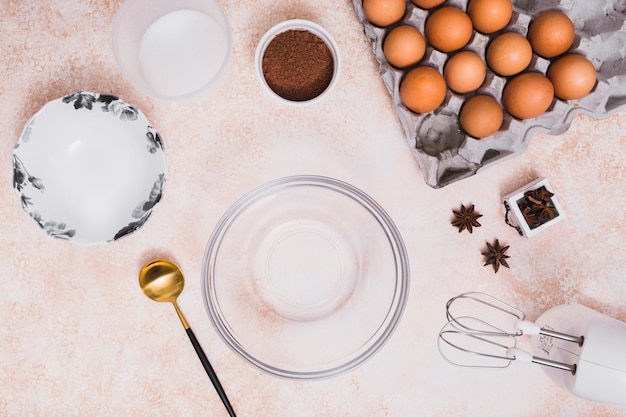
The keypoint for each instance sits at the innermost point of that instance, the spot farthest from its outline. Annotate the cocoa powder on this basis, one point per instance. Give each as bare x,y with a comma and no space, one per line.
297,65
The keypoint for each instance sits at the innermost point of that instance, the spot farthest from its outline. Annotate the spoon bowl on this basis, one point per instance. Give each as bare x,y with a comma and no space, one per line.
161,281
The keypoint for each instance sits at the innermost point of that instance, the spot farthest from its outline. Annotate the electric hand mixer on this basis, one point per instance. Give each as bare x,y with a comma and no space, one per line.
587,356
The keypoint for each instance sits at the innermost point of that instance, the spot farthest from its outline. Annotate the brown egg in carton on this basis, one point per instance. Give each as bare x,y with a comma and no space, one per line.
444,152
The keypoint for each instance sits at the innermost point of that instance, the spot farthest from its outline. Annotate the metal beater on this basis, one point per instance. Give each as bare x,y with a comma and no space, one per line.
592,350
472,335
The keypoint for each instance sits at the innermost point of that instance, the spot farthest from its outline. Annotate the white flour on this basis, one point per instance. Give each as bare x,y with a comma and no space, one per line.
181,52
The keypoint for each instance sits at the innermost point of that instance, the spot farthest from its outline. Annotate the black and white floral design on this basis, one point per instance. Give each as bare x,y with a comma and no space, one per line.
110,103
154,140
52,228
120,109
143,211
27,132
22,179
80,100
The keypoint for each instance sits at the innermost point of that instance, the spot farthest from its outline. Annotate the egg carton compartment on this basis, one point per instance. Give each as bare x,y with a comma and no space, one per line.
443,151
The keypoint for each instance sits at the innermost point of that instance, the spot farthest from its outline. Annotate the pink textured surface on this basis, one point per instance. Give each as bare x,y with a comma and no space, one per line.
78,338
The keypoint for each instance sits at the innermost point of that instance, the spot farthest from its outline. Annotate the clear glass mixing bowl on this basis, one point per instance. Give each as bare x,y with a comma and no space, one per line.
305,277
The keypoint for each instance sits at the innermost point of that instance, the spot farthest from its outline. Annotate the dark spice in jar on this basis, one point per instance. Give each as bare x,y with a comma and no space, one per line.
297,65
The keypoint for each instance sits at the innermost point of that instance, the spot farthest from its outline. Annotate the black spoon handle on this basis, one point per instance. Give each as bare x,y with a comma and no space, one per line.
209,370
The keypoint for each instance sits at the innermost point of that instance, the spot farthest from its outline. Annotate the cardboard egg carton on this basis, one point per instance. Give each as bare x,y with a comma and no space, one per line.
444,152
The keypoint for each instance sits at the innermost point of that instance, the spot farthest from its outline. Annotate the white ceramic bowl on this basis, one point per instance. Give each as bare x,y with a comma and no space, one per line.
89,168
297,24
305,277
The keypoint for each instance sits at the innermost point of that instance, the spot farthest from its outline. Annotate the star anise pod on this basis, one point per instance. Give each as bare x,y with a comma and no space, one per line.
466,218
538,196
495,255
537,207
530,217
544,211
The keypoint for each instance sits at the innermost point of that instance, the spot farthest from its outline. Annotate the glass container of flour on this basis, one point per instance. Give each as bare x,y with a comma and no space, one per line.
172,49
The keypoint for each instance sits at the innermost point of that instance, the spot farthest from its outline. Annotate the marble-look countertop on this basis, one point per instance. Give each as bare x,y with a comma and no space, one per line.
79,338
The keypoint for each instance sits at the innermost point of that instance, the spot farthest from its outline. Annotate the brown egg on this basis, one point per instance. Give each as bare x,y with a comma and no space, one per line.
509,53
551,34
428,4
423,89
464,72
528,95
489,16
404,46
481,116
384,12
448,29
573,76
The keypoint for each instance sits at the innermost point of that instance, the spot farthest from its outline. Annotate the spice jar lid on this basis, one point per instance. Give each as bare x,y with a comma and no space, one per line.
292,66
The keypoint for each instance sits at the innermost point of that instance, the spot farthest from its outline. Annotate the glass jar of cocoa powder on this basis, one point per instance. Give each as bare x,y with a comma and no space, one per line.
298,62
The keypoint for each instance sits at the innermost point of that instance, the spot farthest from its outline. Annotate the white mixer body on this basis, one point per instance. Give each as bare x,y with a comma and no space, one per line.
601,360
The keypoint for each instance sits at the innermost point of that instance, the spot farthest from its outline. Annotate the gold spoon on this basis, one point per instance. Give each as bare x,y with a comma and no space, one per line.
163,281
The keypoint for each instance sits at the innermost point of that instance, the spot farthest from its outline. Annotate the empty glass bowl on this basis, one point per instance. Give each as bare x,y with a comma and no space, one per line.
305,277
